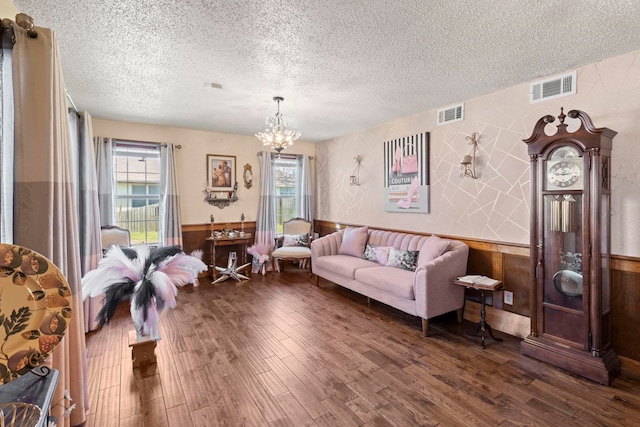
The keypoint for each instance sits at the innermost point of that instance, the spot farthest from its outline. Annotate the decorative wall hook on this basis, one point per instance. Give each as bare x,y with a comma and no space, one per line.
468,163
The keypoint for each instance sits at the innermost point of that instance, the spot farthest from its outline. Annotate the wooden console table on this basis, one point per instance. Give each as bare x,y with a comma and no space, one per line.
482,326
240,242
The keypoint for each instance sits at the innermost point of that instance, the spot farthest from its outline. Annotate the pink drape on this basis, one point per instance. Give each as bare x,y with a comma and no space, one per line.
45,211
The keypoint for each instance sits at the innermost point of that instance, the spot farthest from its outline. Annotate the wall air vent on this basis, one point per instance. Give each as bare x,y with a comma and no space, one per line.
451,114
554,87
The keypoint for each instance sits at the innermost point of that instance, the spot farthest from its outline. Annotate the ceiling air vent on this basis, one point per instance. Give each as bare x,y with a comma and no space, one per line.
451,114
554,87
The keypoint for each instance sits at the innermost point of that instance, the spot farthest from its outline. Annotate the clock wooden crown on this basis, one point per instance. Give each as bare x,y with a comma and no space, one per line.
587,136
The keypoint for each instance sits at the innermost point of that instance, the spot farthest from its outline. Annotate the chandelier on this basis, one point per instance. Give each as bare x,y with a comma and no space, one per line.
276,134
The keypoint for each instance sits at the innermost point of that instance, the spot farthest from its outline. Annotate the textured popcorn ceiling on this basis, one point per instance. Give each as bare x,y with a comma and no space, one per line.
341,65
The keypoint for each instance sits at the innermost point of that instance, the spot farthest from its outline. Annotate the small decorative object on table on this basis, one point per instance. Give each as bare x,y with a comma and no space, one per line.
242,217
260,253
211,219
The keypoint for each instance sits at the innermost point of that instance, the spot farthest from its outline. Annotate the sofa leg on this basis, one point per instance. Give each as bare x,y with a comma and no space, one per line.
425,327
368,302
317,280
460,314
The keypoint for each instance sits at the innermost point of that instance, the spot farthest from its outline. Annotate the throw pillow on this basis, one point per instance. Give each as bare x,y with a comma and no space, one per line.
296,240
432,248
353,241
405,260
379,254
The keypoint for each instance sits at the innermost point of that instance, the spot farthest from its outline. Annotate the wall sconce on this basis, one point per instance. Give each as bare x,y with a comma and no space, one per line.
468,163
354,179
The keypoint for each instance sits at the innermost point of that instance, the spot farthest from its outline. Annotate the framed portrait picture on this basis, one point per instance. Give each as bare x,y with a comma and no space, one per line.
221,172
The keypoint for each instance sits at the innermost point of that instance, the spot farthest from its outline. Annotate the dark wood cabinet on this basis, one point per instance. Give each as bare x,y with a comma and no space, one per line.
570,247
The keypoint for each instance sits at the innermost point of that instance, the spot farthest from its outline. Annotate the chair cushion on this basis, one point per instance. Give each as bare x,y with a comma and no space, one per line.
292,252
296,226
353,241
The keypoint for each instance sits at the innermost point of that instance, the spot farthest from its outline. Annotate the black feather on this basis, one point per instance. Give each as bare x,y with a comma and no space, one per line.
159,254
113,296
144,296
130,253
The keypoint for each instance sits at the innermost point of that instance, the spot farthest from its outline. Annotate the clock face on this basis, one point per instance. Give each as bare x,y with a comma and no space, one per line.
564,169
564,174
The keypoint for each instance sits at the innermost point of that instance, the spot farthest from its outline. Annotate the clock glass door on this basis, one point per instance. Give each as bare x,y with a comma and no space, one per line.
563,274
563,291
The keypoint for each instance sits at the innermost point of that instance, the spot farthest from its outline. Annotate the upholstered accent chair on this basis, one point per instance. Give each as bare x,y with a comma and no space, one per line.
114,235
294,244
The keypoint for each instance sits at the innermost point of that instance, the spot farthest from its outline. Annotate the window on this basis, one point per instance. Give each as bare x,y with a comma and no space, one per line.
136,168
286,173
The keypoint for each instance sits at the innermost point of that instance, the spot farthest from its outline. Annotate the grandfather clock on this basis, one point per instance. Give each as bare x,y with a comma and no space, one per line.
570,247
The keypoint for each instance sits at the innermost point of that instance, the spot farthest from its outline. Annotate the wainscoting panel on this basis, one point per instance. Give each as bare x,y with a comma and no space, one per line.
625,313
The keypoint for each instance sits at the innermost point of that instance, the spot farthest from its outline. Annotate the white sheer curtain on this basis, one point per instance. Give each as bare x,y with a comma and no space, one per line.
106,181
45,209
88,209
170,221
266,218
304,189
6,148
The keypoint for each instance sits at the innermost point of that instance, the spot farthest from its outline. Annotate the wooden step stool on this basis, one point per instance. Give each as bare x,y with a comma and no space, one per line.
142,350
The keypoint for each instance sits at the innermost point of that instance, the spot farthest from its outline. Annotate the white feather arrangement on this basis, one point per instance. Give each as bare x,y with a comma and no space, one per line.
149,278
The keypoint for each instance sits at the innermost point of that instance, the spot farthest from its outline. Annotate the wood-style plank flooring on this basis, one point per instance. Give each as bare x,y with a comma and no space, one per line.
279,351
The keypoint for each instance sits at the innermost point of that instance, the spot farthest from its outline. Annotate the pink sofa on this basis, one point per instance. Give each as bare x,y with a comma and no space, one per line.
426,292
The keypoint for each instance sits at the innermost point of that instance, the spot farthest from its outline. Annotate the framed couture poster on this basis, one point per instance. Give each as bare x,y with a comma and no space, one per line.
406,174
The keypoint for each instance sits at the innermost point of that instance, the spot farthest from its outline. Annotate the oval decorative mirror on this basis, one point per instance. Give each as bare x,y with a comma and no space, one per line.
248,176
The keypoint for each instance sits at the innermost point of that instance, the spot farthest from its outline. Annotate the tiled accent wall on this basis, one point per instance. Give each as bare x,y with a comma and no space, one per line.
496,205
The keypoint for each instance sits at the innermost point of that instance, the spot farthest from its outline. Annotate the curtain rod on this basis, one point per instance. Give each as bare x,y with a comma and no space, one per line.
286,156
134,142
24,21
73,105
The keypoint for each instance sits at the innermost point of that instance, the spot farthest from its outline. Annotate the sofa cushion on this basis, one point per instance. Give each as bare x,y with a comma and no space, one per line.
353,241
392,280
377,254
405,260
344,265
432,248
